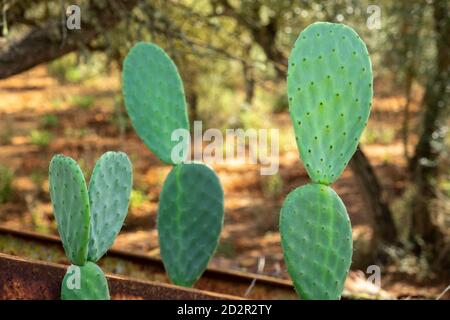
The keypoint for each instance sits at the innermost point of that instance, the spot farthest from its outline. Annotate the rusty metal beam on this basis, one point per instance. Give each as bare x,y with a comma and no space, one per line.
142,266
27,279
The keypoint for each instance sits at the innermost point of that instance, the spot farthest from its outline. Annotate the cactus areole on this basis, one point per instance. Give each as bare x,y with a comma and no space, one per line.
330,88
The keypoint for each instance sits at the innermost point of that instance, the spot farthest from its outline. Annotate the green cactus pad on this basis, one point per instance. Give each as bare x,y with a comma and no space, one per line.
316,237
190,218
85,283
154,98
70,201
109,195
330,92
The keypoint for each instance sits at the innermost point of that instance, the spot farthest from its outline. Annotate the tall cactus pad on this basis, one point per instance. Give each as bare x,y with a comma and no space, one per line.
85,283
109,195
190,218
330,92
154,98
70,201
316,237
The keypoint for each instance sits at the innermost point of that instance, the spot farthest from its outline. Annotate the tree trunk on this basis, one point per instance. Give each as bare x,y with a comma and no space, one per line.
406,107
423,165
192,98
384,226
249,83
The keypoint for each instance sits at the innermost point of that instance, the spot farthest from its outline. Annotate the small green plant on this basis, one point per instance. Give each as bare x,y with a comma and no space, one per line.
75,69
40,138
329,91
83,102
6,176
137,198
56,103
49,121
66,69
382,135
6,131
190,213
281,104
38,178
272,186
89,219
77,133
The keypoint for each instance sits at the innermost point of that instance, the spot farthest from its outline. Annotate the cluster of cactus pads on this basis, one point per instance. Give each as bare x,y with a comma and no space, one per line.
89,219
191,209
329,91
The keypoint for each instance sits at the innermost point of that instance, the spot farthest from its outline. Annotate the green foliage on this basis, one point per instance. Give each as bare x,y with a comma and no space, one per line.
66,70
226,248
154,98
71,207
75,68
75,133
49,121
6,176
190,218
89,220
56,103
83,102
137,198
330,93
40,138
272,186
379,134
281,104
316,237
38,177
87,282
109,194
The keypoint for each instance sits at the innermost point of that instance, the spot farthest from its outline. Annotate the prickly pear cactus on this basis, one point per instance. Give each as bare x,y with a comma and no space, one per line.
316,236
330,93
70,200
84,283
190,218
109,195
154,98
190,214
89,221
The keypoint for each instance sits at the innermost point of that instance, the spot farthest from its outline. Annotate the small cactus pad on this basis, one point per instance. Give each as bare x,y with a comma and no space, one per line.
85,283
71,206
190,218
154,98
330,92
316,237
109,195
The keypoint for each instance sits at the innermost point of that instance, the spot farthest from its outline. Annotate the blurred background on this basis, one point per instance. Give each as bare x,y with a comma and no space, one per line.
60,92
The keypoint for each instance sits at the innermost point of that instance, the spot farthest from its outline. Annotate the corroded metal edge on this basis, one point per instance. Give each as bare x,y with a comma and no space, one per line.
27,279
230,282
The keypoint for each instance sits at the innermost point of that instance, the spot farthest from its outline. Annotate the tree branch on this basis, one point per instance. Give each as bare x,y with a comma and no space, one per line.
43,44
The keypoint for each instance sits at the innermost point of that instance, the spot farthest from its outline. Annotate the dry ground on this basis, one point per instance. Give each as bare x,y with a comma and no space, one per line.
250,232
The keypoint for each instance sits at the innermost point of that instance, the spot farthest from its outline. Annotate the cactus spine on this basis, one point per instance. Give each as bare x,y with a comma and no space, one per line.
329,91
190,213
89,220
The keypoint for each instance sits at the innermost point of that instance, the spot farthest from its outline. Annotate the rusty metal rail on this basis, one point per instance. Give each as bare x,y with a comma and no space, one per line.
143,267
27,279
